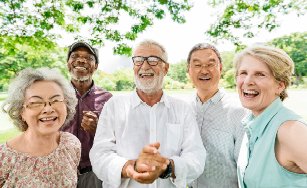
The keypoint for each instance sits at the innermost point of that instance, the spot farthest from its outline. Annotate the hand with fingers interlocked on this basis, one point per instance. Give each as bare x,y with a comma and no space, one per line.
148,166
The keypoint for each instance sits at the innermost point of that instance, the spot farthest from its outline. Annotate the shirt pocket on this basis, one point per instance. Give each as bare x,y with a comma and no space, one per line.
173,138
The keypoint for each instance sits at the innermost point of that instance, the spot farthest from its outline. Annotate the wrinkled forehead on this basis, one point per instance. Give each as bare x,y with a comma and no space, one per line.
207,55
43,89
147,50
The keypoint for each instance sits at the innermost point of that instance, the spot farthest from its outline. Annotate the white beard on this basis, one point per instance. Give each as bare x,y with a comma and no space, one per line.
79,78
149,86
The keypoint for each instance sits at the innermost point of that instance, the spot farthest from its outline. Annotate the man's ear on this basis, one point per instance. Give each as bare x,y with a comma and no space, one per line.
67,64
165,68
221,66
96,66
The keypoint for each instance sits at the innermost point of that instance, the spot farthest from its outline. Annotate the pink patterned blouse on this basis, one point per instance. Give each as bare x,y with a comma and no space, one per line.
58,169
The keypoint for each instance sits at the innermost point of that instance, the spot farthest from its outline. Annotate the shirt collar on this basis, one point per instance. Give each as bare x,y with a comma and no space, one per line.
136,100
89,91
257,125
214,99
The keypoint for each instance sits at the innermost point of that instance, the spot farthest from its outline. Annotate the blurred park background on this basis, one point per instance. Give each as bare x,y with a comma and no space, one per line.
37,33
296,101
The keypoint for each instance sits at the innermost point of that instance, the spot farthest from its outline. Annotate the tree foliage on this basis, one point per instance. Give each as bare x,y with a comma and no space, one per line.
227,60
120,80
107,20
17,53
124,79
178,72
244,18
295,45
228,73
41,18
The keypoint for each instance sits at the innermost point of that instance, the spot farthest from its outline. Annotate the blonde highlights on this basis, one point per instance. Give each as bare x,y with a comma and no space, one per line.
278,61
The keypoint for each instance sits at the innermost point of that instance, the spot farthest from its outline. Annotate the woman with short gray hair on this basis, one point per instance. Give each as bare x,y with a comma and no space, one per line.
40,101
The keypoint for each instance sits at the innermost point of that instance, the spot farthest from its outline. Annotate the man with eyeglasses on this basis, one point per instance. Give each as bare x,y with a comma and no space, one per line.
82,62
218,117
147,138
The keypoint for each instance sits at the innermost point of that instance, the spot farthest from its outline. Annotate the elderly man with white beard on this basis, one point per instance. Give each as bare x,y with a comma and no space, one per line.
147,138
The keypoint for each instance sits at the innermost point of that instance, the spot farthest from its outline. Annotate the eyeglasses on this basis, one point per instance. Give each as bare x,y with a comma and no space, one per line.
88,58
208,66
39,105
151,60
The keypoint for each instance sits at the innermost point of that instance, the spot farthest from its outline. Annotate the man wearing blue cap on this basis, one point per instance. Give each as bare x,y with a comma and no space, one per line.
82,62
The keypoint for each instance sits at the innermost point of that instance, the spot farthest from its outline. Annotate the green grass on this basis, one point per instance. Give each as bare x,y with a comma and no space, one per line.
8,134
2,96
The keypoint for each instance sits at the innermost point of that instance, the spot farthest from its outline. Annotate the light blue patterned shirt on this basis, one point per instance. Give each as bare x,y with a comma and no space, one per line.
219,121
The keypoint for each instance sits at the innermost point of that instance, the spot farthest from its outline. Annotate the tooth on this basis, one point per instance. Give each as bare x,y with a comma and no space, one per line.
250,92
47,118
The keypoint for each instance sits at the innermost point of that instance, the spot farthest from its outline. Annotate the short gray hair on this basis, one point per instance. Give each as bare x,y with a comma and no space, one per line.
150,43
14,102
203,46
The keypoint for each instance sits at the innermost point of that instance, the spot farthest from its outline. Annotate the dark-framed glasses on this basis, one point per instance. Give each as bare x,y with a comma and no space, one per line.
151,60
39,105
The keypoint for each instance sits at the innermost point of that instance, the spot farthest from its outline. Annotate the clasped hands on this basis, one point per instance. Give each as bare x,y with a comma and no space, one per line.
148,166
89,121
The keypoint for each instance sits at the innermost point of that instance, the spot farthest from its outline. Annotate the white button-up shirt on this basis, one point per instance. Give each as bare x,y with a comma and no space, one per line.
127,124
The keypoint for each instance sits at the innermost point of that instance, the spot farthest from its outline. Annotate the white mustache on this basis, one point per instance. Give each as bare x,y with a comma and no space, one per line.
146,72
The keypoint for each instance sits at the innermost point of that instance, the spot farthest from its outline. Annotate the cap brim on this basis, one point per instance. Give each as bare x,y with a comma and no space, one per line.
81,44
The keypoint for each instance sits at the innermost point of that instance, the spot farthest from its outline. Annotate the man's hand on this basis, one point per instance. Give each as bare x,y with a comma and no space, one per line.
149,165
89,121
128,165
149,159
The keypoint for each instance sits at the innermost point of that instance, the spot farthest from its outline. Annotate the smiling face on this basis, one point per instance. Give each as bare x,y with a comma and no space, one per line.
256,84
149,79
44,119
81,64
205,71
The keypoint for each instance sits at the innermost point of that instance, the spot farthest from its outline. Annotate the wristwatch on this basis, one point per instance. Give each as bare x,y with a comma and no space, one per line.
168,172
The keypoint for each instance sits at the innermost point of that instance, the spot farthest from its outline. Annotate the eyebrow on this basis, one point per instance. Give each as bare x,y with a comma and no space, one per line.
212,60
265,72
195,59
198,59
36,96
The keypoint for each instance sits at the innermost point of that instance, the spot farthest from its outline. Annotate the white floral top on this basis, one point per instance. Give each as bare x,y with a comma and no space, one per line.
58,169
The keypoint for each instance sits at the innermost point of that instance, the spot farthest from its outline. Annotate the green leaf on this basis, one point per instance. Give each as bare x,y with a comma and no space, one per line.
130,35
122,49
90,4
162,2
